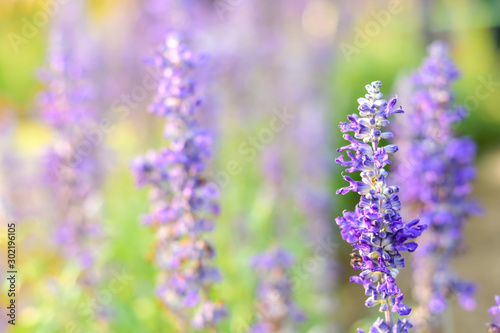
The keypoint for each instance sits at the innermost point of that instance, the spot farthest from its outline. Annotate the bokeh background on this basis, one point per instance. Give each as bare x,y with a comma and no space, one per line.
310,58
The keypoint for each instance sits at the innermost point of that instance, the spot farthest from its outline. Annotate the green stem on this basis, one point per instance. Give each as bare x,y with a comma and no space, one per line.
388,315
448,320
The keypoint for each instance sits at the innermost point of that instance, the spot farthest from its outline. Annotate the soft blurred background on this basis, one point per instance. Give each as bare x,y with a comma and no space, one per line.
307,58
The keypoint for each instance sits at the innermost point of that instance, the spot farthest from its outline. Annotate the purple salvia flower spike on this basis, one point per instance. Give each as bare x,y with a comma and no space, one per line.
73,172
438,167
276,310
182,198
375,228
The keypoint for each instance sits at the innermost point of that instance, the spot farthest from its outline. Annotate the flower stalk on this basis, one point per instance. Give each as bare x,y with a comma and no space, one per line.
183,200
439,168
375,228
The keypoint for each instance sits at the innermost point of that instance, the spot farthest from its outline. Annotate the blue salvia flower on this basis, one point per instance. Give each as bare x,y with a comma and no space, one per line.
494,326
439,169
182,199
375,228
276,309
73,171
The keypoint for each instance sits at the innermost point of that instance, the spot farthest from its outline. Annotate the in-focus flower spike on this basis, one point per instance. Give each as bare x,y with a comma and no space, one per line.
494,325
182,198
375,228
276,310
439,168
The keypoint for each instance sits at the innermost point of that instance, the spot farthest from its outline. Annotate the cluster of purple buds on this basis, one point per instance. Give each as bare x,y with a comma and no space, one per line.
439,171
183,201
375,228
494,326
276,310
